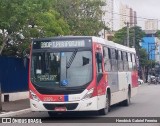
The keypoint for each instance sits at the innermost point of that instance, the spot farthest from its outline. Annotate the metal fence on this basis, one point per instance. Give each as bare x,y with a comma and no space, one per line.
13,75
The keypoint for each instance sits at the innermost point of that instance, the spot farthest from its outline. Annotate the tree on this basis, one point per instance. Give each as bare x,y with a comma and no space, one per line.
10,24
143,57
143,62
51,24
135,34
23,20
158,34
121,36
83,16
147,66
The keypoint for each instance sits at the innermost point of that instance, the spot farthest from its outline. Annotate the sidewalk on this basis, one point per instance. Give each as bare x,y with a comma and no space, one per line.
13,108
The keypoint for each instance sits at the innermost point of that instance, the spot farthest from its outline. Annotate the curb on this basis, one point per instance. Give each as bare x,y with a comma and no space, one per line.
10,114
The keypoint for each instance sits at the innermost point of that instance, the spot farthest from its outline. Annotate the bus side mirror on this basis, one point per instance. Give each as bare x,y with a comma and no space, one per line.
85,61
99,57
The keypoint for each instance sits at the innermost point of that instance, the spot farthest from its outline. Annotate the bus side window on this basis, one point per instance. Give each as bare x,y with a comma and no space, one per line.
99,66
120,61
125,61
99,62
127,65
109,53
107,64
116,60
129,62
134,62
110,58
116,51
113,60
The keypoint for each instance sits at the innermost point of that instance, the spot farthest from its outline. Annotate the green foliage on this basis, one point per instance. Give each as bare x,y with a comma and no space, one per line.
137,34
83,16
17,15
158,34
143,57
51,24
22,20
134,33
121,36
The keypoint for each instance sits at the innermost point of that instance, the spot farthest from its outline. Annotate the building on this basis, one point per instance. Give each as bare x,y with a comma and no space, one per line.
127,15
153,49
149,44
109,35
152,45
107,16
151,24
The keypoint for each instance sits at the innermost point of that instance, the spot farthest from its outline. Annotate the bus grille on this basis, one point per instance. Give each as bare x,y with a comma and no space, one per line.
70,106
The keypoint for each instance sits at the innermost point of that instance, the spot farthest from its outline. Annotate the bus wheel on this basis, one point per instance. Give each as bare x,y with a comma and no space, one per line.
128,100
105,110
52,114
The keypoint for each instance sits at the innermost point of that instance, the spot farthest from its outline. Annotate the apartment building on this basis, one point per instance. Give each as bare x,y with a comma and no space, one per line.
127,15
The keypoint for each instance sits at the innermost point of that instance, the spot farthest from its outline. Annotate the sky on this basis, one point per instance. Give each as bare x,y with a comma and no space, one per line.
145,8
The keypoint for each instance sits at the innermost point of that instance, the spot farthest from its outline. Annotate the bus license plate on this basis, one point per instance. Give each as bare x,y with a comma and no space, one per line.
60,109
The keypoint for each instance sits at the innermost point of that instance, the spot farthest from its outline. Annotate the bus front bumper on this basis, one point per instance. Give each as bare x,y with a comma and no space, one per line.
82,105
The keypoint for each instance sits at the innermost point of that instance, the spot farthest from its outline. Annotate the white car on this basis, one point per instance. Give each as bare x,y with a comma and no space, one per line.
140,81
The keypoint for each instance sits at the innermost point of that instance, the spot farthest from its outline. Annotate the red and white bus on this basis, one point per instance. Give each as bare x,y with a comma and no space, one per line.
80,73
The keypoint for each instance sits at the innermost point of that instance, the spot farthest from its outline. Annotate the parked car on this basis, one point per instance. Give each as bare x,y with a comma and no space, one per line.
140,81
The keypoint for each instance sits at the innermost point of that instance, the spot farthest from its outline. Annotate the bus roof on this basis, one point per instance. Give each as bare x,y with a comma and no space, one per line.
62,37
113,44
94,39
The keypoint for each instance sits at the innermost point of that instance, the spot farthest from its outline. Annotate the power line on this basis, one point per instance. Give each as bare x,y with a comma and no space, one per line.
132,16
116,19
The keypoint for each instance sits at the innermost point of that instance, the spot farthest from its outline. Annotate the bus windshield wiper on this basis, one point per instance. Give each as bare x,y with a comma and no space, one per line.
71,59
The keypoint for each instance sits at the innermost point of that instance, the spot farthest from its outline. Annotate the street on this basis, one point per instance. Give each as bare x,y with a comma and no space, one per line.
79,56
144,104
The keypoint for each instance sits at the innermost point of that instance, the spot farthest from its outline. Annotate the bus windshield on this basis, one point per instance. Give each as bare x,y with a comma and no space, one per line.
61,69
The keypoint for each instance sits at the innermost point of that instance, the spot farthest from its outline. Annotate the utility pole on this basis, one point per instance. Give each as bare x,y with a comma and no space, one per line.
134,37
127,23
104,33
128,34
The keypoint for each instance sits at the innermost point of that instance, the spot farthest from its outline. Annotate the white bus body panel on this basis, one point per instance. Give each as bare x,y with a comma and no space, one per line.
90,104
83,105
124,80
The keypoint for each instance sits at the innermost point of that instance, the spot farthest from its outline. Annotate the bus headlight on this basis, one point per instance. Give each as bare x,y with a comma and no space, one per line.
88,94
34,96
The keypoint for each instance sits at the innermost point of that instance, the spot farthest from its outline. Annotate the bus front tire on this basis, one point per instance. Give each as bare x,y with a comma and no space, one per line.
105,110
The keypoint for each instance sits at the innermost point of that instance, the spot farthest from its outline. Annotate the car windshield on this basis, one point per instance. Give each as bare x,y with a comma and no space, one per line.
61,69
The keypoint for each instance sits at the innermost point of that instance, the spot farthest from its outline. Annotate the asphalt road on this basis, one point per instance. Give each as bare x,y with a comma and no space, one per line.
145,104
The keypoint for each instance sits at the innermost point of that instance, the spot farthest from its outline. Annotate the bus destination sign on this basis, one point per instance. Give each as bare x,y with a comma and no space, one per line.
62,44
